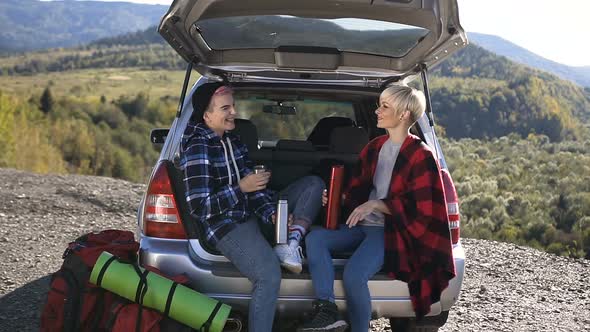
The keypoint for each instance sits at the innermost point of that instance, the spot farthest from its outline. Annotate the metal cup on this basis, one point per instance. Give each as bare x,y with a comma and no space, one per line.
259,169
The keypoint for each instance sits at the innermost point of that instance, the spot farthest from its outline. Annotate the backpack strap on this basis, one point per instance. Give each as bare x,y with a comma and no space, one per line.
94,326
114,313
169,299
103,270
142,288
73,301
207,324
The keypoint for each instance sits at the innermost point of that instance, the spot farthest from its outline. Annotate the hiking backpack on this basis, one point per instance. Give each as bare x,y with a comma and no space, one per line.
74,304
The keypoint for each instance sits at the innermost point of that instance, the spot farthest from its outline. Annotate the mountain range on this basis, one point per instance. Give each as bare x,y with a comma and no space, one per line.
30,25
500,46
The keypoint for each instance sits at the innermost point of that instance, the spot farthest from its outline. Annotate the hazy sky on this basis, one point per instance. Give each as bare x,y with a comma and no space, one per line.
558,30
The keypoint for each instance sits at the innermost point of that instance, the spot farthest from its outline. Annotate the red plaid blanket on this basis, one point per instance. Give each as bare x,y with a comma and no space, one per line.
418,247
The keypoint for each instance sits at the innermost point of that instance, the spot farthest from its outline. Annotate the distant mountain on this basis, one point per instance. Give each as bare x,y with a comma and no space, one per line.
30,24
500,46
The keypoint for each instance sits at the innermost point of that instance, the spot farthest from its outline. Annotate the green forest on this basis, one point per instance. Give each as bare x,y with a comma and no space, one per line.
57,134
528,191
516,139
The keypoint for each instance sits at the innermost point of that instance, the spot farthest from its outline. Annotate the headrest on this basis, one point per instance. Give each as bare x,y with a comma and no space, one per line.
320,135
293,145
247,132
348,139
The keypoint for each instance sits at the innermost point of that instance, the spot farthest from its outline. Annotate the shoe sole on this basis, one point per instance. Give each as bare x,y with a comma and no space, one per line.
292,268
339,326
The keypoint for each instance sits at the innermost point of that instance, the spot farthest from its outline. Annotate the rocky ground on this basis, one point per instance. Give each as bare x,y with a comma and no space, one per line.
506,287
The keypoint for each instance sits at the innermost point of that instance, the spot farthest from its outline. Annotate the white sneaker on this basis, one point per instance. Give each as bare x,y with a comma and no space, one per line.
290,256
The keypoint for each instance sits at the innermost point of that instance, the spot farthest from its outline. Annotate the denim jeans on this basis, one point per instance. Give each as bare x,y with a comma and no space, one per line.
304,197
252,255
367,242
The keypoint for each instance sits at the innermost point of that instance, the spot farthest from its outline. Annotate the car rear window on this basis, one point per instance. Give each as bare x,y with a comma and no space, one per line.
345,34
298,126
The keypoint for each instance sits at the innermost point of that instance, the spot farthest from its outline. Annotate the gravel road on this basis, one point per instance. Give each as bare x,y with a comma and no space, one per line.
506,287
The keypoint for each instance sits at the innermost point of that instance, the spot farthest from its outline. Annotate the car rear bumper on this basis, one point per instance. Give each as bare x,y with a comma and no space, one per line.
215,277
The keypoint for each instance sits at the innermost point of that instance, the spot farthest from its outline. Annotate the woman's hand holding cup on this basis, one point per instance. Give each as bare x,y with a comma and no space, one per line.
254,182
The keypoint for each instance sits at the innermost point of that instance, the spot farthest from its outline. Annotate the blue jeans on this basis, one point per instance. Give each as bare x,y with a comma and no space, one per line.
252,255
304,197
368,245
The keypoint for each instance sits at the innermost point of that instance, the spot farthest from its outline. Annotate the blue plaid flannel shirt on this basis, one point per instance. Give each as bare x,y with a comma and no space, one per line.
210,197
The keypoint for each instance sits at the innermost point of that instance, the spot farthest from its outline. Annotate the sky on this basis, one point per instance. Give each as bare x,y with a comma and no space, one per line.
553,29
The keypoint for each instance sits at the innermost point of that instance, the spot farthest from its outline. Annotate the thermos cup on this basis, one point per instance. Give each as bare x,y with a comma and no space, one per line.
282,222
334,197
259,169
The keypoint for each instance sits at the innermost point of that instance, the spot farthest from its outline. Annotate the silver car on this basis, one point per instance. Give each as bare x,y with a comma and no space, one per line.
306,76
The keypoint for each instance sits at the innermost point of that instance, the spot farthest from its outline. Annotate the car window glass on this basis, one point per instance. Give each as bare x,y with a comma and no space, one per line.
345,34
272,127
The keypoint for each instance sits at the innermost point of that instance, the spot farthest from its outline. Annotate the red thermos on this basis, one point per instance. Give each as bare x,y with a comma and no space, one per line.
334,197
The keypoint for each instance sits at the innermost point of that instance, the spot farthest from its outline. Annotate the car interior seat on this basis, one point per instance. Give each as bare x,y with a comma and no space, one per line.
320,135
247,132
345,145
350,140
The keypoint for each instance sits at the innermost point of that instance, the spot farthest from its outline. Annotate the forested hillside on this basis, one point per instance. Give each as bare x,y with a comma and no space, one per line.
32,24
516,138
476,94
529,191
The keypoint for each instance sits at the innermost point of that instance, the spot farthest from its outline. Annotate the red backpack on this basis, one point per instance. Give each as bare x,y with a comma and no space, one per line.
74,304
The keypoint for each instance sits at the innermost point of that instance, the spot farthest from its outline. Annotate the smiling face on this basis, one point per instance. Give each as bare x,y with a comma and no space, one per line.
221,113
388,117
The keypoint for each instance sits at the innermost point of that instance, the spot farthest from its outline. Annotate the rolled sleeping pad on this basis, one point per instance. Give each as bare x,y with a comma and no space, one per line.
174,300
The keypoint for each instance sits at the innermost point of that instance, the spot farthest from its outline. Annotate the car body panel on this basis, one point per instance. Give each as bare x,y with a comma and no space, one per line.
389,298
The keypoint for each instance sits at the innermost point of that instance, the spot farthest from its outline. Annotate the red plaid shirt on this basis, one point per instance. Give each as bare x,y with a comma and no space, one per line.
418,248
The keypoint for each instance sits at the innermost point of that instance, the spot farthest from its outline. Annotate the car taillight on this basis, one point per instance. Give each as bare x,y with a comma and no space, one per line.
452,205
160,212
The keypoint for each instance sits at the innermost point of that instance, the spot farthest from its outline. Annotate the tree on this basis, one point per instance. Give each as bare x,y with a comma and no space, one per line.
7,138
47,101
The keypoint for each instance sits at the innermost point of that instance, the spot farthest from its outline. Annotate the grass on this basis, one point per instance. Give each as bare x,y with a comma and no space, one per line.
93,83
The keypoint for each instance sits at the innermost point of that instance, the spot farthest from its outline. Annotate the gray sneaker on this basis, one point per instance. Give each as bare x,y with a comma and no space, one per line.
325,318
290,256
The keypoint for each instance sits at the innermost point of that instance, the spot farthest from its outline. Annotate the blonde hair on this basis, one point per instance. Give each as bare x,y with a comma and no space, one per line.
405,98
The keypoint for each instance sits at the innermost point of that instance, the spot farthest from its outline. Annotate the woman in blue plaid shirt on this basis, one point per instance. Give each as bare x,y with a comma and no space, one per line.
226,196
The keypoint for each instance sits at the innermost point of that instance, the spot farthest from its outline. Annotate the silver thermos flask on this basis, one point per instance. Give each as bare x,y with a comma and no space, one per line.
282,222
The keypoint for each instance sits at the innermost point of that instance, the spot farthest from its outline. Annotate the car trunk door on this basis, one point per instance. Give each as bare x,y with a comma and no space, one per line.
310,39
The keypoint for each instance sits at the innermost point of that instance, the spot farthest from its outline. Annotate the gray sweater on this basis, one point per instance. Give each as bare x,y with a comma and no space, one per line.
381,181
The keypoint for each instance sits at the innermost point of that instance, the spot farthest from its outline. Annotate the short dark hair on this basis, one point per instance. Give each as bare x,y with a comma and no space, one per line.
202,98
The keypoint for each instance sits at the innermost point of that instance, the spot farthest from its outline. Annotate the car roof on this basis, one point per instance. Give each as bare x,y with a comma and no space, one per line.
331,40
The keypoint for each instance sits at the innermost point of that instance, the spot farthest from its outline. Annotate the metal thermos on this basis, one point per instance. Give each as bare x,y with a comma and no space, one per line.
334,197
282,222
